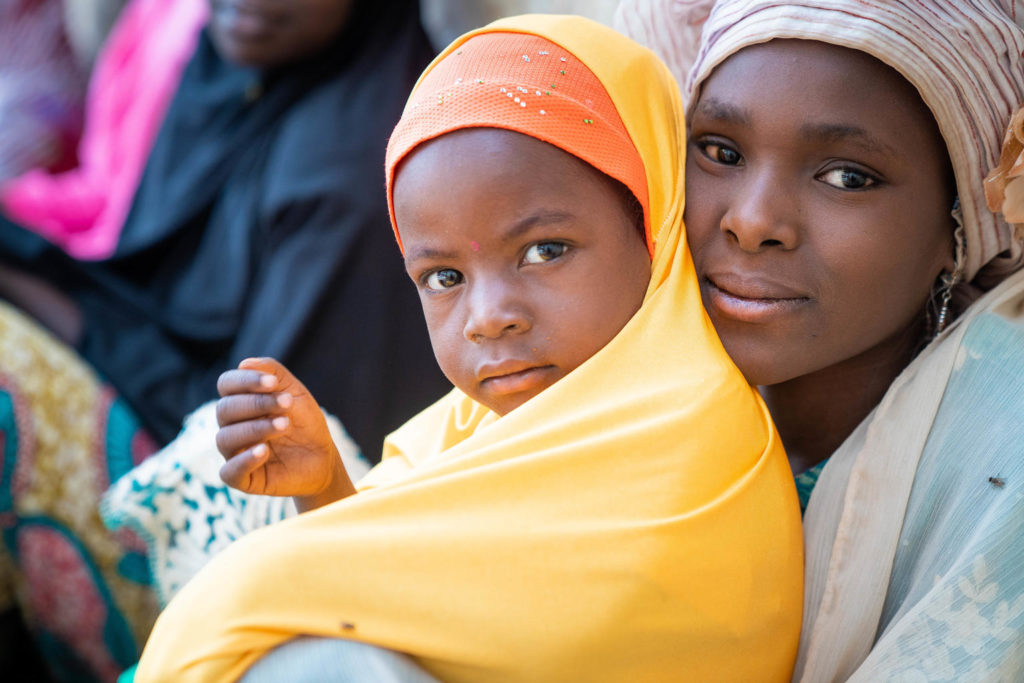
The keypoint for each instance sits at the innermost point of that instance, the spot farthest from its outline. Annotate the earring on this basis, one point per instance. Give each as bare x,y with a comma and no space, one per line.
949,281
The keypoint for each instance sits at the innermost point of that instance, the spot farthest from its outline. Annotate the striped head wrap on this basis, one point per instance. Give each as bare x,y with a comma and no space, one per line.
963,56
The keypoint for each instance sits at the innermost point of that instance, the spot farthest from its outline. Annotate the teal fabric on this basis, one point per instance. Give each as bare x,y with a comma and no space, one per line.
805,482
128,675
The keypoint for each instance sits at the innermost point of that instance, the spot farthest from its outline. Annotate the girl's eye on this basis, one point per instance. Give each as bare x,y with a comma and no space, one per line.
720,153
544,251
445,278
847,179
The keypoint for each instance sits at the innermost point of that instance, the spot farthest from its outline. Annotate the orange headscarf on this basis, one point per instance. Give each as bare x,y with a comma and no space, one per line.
527,84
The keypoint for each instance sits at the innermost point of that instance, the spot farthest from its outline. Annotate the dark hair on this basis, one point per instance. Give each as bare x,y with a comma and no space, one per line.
632,207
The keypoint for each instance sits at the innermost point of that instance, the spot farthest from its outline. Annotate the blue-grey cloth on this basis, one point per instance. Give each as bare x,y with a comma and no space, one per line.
332,660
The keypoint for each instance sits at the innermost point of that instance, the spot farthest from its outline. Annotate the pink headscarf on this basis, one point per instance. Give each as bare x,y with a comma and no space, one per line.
964,57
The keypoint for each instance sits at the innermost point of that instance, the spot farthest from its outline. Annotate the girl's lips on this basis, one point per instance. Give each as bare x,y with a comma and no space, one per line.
753,305
243,22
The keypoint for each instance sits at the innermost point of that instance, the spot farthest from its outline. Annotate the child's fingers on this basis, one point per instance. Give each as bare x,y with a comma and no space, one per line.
244,407
286,381
237,471
246,382
240,436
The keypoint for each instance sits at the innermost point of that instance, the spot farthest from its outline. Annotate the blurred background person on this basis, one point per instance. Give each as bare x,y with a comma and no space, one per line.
254,224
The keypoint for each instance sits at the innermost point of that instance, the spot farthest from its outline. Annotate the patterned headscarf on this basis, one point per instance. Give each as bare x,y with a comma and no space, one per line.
963,56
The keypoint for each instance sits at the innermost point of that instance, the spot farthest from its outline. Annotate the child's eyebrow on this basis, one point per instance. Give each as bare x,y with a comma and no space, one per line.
523,225
429,253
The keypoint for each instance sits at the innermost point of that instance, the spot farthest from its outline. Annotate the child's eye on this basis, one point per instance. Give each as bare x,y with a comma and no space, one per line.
544,251
445,278
719,153
848,178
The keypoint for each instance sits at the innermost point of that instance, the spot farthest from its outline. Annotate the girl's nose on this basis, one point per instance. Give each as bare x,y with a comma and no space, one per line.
494,310
762,215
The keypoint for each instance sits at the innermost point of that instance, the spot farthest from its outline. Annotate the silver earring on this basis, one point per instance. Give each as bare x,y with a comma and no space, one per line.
949,281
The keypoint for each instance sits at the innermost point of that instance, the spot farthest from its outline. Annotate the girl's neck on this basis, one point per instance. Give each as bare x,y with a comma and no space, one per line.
816,412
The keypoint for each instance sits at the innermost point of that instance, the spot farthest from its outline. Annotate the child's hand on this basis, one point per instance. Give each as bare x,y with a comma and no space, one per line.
275,438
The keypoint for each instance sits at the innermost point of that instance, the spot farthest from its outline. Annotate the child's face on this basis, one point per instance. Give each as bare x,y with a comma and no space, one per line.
526,260
818,209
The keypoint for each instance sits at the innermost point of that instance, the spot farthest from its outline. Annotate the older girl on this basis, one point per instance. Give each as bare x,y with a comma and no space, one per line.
839,225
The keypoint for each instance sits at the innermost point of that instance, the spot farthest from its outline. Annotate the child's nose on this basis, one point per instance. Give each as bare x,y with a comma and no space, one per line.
761,215
493,311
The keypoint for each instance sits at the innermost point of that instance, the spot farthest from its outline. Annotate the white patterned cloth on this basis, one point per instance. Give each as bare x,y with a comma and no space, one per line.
176,501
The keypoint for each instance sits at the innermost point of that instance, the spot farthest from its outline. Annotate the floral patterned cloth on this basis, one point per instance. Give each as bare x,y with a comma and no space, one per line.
178,504
64,436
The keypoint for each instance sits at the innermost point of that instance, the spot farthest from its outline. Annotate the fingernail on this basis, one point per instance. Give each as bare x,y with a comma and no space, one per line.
280,423
260,451
284,400
268,381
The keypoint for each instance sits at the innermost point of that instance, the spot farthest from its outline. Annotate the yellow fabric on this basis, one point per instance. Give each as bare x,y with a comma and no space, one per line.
637,521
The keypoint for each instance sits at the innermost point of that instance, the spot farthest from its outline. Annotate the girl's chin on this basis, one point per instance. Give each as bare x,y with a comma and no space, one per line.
764,367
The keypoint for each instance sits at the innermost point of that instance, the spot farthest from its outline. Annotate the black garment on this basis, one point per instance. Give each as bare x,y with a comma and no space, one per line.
260,228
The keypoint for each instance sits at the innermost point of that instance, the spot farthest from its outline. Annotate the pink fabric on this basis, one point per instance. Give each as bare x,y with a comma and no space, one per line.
83,210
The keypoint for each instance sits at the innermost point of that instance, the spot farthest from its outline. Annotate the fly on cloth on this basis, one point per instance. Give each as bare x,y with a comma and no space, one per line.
635,521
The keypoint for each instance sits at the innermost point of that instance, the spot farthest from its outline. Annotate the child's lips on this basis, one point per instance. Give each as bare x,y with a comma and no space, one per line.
514,377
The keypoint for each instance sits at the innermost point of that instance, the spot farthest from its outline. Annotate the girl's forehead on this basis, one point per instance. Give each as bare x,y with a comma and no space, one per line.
492,185
505,164
820,81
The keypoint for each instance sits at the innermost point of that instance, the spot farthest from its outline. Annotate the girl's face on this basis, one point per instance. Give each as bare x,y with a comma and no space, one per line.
527,260
818,208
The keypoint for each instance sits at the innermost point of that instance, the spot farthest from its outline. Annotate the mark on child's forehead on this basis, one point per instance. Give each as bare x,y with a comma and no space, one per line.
475,245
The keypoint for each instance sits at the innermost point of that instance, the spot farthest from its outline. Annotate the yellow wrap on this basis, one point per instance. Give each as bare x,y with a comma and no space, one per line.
637,521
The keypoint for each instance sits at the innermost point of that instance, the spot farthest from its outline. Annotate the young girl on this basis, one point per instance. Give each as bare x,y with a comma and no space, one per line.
590,503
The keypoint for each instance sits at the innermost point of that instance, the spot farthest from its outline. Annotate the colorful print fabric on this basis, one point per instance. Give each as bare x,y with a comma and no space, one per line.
64,437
